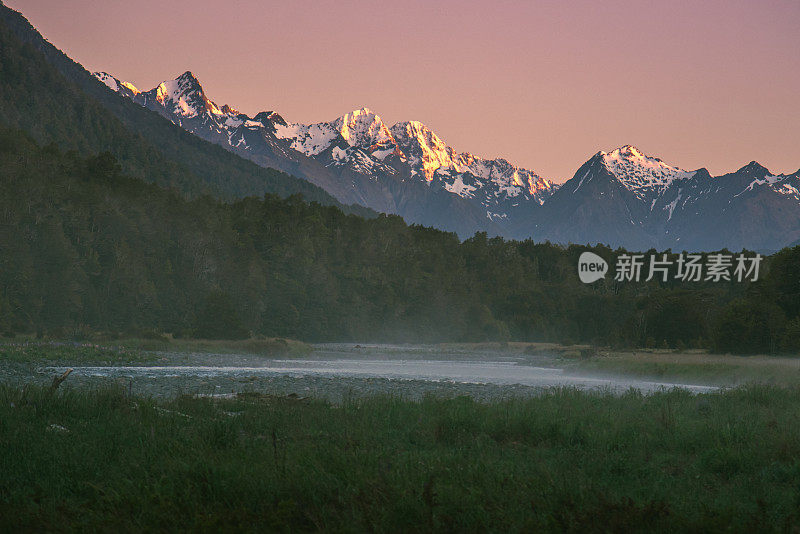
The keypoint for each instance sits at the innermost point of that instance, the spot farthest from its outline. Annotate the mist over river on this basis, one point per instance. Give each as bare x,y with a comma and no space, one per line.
338,371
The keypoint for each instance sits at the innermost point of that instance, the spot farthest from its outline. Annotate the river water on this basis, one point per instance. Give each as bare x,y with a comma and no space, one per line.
339,371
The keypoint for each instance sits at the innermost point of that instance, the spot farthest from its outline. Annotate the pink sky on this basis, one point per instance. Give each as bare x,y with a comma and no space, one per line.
543,84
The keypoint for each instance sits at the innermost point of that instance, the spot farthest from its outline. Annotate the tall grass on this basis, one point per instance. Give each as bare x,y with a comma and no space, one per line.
100,460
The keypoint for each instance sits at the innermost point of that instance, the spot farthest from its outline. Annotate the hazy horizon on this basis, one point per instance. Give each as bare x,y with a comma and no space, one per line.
544,85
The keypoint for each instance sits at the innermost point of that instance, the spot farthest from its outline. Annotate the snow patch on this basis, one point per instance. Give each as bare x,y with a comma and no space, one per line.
310,140
671,205
460,188
111,82
640,173
582,179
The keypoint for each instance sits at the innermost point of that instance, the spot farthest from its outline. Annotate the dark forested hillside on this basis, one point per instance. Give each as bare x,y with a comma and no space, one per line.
85,248
54,99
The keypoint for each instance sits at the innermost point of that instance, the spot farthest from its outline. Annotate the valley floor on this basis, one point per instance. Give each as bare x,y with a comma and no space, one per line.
93,454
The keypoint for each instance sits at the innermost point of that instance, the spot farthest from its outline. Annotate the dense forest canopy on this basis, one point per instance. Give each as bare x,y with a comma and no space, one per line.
87,249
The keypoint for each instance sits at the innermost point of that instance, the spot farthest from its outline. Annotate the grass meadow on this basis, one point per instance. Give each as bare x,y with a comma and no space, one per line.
101,460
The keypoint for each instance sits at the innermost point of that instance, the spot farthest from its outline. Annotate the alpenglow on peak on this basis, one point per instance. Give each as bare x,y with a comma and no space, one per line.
364,152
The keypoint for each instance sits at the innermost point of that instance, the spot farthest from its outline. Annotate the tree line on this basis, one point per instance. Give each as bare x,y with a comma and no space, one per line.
86,249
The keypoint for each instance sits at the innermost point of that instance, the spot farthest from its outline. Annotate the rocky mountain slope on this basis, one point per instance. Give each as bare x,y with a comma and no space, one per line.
626,198
404,169
623,197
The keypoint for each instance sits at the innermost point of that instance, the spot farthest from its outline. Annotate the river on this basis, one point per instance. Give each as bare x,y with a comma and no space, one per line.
337,371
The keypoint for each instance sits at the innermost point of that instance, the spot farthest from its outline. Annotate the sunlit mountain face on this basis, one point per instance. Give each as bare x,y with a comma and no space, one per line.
358,158
621,197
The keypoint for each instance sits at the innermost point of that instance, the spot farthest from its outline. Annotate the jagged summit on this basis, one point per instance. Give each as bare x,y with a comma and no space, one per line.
754,167
425,149
628,153
188,77
185,95
356,142
362,127
639,172
625,151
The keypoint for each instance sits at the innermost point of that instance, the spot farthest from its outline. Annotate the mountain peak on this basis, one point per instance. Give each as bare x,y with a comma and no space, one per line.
639,172
424,148
363,111
408,130
363,127
189,80
628,151
754,167
186,96
411,126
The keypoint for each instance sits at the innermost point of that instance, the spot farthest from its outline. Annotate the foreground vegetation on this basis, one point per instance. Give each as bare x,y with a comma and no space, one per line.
100,460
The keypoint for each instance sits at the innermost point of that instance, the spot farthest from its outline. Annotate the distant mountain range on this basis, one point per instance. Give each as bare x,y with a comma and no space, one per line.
621,198
633,200
360,164
404,169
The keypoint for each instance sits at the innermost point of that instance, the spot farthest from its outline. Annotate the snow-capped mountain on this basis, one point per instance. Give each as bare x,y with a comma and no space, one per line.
361,142
645,176
497,185
623,197
626,198
404,169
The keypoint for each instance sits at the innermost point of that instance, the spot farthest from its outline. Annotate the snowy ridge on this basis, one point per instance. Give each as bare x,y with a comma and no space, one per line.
116,85
780,183
641,174
109,80
463,173
622,197
370,145
425,151
358,141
